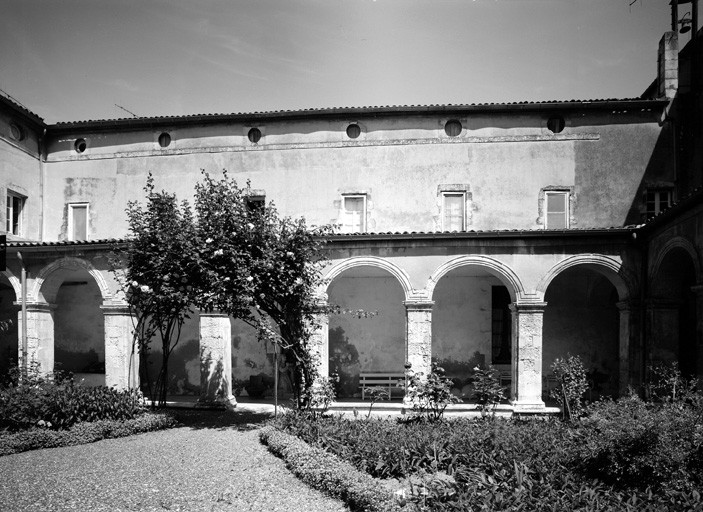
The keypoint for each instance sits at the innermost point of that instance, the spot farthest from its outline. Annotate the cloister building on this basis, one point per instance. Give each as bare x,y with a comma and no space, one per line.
505,234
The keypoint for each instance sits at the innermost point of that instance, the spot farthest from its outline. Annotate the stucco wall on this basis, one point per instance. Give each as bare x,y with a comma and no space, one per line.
503,161
20,172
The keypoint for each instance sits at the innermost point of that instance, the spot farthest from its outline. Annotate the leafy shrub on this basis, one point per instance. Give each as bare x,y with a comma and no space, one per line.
572,385
59,404
670,386
467,464
634,444
430,396
82,433
328,473
487,389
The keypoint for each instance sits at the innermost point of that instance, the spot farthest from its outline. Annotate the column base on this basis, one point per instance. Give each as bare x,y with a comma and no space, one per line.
532,406
219,403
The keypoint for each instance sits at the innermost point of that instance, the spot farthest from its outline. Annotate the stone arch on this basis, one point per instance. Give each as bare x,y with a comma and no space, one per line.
369,261
15,283
506,274
608,266
677,242
39,290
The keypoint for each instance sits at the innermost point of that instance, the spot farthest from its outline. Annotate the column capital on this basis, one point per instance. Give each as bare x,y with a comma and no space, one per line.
628,305
528,307
115,308
37,307
697,289
212,314
418,304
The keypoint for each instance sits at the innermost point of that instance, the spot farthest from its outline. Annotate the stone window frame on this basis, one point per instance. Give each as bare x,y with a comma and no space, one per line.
157,135
245,134
9,212
656,187
542,202
454,189
443,122
354,193
254,195
545,122
70,235
343,130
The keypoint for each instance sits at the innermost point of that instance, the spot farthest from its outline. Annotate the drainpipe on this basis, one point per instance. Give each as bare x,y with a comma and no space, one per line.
23,278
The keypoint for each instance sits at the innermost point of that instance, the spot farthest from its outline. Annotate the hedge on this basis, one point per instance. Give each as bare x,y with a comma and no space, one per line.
82,433
327,472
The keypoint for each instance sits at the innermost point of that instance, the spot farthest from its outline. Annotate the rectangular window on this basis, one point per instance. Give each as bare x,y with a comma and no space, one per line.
255,203
13,214
657,201
354,214
78,221
557,216
453,211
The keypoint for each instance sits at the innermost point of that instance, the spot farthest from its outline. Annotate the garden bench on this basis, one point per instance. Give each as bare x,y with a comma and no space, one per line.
386,380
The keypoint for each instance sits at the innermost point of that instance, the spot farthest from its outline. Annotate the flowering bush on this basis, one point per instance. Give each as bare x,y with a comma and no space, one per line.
59,403
430,395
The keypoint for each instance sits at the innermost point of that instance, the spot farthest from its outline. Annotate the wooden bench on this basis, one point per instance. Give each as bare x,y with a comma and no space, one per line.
387,380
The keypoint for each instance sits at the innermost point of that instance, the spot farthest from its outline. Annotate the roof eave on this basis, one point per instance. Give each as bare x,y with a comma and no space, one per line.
335,112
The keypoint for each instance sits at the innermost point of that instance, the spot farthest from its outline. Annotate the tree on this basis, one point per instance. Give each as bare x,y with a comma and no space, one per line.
263,269
158,271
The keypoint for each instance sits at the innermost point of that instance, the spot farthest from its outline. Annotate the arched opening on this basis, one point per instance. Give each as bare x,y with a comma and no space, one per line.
472,325
673,316
79,326
582,319
365,344
9,354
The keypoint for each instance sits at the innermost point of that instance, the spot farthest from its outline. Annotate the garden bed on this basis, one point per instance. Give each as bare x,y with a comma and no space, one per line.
625,455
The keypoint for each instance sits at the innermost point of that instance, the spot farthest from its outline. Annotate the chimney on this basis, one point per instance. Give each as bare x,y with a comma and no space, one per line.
668,75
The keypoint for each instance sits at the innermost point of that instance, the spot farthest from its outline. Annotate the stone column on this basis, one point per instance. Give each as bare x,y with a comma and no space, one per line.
40,335
624,312
698,290
319,342
527,356
121,352
216,360
418,339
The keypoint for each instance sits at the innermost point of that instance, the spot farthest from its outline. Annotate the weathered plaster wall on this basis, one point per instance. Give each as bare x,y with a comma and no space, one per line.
611,177
581,319
20,171
376,343
79,328
400,163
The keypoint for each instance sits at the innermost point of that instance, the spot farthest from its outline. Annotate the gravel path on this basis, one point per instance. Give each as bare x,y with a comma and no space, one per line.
215,462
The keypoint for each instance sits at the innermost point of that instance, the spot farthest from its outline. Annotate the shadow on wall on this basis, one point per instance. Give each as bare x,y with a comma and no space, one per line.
344,362
211,378
183,368
462,373
78,362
